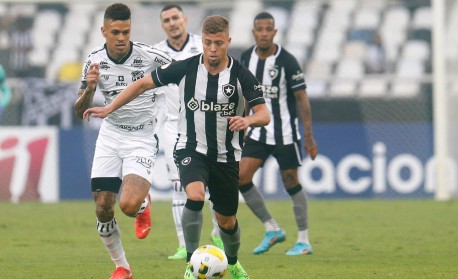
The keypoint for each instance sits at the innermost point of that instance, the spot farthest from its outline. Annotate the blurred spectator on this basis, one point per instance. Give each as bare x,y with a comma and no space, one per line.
20,46
375,56
5,93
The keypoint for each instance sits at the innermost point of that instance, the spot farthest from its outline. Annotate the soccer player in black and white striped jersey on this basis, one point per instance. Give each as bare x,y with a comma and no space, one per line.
214,89
285,93
179,45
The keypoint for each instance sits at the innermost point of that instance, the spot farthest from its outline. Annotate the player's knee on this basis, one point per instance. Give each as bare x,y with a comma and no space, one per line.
289,178
104,212
129,207
227,222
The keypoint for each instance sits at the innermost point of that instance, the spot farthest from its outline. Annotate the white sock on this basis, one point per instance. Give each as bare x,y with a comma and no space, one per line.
178,202
303,236
215,230
271,226
111,237
143,206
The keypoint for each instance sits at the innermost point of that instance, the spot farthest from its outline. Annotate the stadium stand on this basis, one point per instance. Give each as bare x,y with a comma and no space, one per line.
329,37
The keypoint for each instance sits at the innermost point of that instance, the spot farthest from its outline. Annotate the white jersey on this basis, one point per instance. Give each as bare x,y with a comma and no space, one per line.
115,76
191,47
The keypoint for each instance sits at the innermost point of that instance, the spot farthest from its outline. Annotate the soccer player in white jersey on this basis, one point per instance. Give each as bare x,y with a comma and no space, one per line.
285,92
214,89
126,146
179,45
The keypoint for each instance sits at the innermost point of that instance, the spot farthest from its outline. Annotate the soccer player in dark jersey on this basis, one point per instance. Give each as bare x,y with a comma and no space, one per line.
180,44
214,89
285,93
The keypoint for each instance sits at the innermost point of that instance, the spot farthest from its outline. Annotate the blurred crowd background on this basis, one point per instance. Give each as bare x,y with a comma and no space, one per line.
354,51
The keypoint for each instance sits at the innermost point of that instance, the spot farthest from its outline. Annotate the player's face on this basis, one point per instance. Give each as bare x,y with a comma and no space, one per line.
174,23
215,47
264,32
117,35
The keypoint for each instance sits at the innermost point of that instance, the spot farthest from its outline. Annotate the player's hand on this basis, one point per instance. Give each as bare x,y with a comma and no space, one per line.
310,147
92,76
238,123
98,112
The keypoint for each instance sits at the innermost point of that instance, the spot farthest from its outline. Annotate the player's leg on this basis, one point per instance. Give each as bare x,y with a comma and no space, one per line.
194,173
224,194
105,184
288,171
215,234
179,194
138,153
253,157
107,227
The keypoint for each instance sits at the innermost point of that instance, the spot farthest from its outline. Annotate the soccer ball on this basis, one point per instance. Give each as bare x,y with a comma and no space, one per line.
208,262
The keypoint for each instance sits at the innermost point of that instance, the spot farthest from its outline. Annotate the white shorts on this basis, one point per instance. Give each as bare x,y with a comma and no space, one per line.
170,138
122,150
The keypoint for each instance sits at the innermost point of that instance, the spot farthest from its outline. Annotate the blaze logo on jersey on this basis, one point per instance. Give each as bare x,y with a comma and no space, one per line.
137,75
270,91
193,104
228,90
104,65
138,63
273,72
226,109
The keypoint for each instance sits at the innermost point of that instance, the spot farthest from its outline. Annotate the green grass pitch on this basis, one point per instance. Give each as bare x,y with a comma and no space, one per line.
350,238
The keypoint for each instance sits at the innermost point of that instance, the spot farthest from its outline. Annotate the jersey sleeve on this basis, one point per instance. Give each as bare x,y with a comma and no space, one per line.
294,74
84,71
252,90
169,73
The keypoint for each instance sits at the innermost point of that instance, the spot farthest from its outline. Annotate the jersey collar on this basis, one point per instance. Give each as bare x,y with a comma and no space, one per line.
124,59
182,47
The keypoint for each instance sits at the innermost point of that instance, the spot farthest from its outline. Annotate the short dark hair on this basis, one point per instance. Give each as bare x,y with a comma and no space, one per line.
171,6
215,24
263,15
117,11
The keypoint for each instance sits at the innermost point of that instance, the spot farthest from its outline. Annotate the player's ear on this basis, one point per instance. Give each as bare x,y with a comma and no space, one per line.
102,29
229,39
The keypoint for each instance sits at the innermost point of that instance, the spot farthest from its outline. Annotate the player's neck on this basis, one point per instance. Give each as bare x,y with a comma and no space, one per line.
264,53
214,70
178,43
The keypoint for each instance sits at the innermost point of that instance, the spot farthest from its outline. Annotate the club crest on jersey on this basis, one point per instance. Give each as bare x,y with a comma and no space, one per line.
137,75
273,72
228,90
186,161
105,77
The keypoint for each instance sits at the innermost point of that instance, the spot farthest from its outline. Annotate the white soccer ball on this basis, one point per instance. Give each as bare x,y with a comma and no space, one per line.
208,262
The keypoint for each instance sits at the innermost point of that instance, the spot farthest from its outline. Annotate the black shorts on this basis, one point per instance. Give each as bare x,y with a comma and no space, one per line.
220,178
288,156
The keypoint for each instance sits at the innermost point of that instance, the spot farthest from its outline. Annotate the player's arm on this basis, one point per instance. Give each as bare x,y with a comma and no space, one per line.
306,116
87,90
259,117
129,93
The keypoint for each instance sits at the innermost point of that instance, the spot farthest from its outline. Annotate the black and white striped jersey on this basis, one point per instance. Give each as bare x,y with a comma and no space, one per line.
280,75
205,103
117,75
191,47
